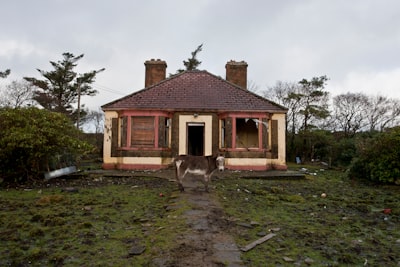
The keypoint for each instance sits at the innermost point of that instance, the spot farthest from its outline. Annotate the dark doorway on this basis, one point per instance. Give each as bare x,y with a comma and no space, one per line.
195,139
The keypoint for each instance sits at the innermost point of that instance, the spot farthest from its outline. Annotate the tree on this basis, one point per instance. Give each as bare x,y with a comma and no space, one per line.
63,87
313,100
4,74
96,118
17,94
35,140
378,158
192,63
383,112
349,112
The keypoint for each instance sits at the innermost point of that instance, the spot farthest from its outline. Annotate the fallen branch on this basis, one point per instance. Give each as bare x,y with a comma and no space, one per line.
257,242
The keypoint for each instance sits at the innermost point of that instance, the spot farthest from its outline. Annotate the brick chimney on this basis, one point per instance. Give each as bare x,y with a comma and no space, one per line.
155,71
236,72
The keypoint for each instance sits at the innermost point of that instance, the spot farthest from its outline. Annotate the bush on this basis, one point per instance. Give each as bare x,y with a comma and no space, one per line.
33,141
378,158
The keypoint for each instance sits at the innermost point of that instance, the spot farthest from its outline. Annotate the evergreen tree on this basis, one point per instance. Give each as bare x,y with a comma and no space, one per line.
62,87
4,74
192,63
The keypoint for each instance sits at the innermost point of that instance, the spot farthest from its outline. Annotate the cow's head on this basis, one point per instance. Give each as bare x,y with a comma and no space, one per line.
220,161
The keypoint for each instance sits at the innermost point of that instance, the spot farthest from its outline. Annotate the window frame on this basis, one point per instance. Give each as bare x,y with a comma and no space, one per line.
126,144
257,117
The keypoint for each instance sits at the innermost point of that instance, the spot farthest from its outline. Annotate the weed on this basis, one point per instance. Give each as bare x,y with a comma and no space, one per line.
344,226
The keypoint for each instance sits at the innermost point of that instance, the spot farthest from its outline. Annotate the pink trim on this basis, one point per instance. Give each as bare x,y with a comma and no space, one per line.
156,121
144,113
234,133
118,166
110,166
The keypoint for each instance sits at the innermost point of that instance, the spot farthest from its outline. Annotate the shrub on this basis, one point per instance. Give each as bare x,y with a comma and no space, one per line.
378,158
31,139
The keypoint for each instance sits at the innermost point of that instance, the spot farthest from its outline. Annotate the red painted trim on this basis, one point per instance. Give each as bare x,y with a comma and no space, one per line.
234,133
128,131
144,148
121,166
245,115
156,127
260,133
144,113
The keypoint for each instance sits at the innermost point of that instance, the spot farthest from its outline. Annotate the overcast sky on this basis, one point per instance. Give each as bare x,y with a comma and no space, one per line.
356,43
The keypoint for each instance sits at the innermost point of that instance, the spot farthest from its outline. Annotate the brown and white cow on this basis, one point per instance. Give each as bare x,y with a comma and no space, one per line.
199,165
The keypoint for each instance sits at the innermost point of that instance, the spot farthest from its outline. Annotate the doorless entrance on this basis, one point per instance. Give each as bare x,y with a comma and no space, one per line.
195,139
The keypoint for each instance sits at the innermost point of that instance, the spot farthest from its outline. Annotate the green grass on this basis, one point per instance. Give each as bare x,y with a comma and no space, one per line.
101,223
97,226
347,227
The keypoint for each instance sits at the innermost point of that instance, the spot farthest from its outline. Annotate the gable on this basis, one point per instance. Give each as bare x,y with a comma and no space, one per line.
195,90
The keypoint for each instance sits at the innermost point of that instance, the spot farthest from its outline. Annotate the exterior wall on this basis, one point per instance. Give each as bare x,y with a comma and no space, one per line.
281,160
207,120
116,158
236,159
107,143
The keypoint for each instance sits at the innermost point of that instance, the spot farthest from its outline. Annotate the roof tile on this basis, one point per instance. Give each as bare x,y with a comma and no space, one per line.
195,90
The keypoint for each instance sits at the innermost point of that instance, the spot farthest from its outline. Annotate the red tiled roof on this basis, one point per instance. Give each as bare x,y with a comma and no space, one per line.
195,90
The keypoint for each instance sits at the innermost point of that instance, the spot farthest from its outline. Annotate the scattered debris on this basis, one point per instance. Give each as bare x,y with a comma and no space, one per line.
70,190
246,225
309,261
136,250
276,229
254,223
387,211
257,242
287,259
60,172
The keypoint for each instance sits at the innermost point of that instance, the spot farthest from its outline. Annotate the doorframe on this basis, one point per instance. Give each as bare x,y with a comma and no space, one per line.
184,120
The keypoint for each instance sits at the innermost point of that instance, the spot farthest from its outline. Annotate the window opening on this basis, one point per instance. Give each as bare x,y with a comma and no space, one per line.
246,133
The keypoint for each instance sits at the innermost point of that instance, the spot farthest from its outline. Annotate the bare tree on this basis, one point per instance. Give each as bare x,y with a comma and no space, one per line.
252,86
283,93
349,112
96,119
383,112
17,94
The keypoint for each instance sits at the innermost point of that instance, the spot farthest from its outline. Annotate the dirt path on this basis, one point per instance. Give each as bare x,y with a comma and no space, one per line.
206,243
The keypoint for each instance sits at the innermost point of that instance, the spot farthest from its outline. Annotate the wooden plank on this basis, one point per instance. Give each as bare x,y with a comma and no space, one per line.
257,242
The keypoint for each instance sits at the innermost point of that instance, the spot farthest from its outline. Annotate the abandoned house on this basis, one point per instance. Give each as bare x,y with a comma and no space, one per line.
194,113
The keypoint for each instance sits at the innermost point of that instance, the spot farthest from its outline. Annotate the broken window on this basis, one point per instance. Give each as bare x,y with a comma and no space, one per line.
247,133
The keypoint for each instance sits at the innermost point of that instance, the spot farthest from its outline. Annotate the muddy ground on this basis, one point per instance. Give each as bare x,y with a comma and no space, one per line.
347,227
